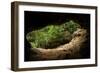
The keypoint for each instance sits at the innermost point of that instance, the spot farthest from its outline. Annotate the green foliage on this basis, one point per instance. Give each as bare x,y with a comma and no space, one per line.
71,26
52,35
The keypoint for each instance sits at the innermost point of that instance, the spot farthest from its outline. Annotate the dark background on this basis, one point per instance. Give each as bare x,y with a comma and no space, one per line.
37,20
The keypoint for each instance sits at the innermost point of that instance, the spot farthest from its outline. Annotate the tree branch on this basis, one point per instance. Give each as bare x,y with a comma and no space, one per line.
69,50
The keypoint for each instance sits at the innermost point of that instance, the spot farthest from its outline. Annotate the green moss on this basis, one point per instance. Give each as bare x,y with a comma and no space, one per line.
71,26
52,35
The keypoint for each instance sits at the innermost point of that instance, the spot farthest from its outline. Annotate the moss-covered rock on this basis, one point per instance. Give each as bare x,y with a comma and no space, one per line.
52,35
